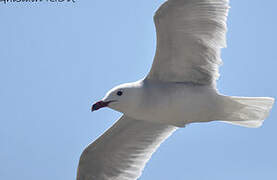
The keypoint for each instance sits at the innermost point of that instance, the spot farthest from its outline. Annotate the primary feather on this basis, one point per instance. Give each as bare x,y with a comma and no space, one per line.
190,34
122,152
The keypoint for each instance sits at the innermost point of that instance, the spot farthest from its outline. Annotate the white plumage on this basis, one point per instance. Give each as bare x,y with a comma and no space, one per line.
122,151
190,34
180,89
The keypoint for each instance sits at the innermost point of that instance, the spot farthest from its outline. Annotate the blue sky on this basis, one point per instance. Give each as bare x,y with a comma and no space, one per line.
58,58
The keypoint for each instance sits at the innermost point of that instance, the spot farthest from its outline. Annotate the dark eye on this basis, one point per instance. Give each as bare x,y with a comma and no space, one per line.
119,93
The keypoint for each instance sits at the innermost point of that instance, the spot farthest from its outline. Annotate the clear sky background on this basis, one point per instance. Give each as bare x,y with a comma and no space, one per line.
56,59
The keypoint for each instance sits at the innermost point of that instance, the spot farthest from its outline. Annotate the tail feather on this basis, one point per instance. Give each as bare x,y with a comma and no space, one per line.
246,111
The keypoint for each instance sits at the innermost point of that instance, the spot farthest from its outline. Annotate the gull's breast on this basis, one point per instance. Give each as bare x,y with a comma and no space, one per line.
177,104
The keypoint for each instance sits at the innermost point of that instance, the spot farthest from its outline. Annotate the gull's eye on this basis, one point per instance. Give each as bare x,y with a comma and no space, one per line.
119,93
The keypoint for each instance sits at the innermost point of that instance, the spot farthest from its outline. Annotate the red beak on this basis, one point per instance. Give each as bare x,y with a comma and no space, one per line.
99,105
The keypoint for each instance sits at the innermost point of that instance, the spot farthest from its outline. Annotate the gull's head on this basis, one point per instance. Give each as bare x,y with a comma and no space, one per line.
120,98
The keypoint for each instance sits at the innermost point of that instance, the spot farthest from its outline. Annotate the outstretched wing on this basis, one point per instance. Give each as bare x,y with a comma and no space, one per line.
122,151
190,34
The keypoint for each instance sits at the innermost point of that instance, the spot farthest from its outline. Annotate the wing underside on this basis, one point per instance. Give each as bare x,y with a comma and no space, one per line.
122,151
190,35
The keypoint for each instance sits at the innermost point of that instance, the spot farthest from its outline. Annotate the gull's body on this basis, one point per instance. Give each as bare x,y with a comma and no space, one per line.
180,89
181,103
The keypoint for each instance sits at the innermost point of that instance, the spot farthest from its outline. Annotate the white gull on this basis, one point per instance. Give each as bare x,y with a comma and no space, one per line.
180,89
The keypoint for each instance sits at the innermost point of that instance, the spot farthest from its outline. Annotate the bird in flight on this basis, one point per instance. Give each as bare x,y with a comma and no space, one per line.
179,89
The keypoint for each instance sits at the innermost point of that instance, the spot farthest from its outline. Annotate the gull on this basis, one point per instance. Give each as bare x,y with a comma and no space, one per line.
180,89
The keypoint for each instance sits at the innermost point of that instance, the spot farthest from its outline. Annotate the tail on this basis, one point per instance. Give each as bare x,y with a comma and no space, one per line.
246,111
